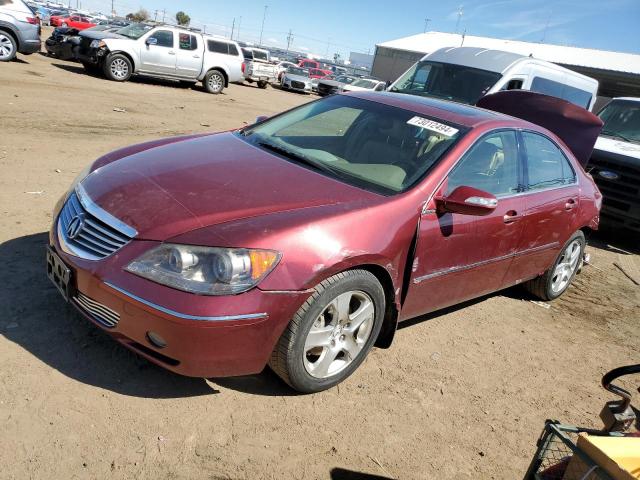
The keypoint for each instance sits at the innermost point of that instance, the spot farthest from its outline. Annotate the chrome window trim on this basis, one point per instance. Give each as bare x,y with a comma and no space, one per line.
102,214
222,318
482,263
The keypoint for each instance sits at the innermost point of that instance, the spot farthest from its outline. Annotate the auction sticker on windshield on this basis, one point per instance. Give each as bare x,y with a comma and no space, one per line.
445,130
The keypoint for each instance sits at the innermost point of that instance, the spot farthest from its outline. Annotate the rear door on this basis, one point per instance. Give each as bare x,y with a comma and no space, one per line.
552,203
189,55
459,257
161,57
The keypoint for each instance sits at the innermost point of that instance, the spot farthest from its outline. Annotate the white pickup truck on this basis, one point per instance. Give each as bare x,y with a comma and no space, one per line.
163,52
258,67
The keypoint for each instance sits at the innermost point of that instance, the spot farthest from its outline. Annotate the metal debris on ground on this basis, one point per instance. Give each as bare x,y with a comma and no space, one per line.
119,110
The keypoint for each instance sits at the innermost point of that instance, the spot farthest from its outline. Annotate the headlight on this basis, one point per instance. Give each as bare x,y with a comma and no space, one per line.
97,44
205,270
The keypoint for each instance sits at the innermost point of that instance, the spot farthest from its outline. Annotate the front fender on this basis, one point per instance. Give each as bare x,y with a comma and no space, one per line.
126,47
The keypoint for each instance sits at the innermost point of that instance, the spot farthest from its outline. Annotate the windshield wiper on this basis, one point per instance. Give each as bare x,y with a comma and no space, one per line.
285,152
616,135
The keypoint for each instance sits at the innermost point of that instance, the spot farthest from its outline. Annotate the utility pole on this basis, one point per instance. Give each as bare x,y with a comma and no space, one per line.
233,27
263,19
460,13
164,12
426,22
289,40
239,23
155,16
113,12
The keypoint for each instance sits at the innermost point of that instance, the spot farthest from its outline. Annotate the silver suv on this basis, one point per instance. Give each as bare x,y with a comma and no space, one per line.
19,30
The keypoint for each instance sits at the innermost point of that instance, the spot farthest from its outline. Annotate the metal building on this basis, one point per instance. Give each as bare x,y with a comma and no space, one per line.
618,73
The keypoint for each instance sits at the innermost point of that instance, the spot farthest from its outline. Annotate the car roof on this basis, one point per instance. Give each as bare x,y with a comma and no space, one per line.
461,114
481,58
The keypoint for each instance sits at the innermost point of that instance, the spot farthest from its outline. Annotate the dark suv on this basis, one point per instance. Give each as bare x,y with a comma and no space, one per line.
19,30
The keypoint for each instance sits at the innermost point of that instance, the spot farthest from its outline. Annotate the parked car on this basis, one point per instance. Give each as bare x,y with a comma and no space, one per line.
81,22
363,84
282,68
301,241
333,84
316,81
297,79
19,30
466,74
163,52
319,73
615,163
257,67
309,63
62,42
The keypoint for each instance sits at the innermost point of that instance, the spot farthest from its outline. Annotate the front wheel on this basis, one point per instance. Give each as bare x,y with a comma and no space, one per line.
555,281
8,47
332,333
263,84
117,67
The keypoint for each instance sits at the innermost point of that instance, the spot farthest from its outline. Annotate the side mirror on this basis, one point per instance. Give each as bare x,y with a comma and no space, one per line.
151,41
467,201
261,118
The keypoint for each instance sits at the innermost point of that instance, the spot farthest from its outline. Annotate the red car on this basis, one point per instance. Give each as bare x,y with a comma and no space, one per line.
79,22
301,241
319,73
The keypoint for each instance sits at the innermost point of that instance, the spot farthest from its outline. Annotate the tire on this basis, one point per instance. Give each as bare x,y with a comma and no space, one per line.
214,82
8,47
555,281
322,345
263,84
117,67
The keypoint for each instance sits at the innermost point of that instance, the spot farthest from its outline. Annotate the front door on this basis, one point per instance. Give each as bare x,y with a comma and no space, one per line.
159,58
552,202
459,257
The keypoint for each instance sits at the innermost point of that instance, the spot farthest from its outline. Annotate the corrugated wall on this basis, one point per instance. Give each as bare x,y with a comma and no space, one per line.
389,64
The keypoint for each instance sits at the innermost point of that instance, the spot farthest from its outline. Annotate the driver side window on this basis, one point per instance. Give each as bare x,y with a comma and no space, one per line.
164,37
491,165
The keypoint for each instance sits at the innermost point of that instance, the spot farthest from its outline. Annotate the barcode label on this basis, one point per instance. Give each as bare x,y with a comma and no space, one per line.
445,130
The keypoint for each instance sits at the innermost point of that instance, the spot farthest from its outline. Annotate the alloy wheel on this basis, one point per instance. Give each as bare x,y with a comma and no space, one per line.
216,83
338,334
119,68
6,46
566,267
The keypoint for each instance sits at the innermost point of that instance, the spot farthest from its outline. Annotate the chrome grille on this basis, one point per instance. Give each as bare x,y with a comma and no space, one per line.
89,232
103,315
299,85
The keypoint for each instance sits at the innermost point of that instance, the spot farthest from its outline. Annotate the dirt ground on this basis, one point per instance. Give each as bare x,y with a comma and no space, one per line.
461,394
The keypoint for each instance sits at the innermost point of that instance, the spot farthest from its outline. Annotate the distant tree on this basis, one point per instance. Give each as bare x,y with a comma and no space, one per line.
183,19
140,16
337,57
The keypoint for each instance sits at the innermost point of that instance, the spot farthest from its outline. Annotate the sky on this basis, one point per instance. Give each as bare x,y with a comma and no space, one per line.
332,26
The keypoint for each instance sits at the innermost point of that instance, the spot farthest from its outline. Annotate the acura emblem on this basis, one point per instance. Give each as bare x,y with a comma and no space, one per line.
607,175
75,226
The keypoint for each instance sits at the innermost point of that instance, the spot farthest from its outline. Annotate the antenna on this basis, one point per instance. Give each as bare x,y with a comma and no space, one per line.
460,14
426,23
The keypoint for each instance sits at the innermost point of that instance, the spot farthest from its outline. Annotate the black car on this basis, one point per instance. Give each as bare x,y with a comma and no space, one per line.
62,42
329,87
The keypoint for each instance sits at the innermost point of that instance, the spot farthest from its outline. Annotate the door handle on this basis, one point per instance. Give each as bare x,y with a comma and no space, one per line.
171,52
570,205
511,216
196,56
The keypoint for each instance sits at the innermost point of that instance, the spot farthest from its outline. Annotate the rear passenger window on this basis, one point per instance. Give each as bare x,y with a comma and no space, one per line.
546,164
491,165
233,50
164,37
188,42
574,95
218,47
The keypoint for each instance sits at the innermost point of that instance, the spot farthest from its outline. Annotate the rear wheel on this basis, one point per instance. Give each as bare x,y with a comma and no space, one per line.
8,47
332,333
555,281
117,67
214,82
263,84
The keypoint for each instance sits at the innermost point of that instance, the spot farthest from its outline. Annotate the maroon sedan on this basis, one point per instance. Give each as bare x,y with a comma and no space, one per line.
301,241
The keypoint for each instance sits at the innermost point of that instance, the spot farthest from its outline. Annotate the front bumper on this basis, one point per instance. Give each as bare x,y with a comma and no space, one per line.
205,336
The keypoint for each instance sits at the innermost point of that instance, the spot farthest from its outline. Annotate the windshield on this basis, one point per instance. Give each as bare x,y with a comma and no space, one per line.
367,144
135,30
364,83
621,120
298,71
445,80
345,79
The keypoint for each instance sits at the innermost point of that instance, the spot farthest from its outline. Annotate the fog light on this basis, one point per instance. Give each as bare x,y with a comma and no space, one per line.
156,340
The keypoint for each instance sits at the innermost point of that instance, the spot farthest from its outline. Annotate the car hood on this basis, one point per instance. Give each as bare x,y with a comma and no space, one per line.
297,78
179,187
620,147
331,83
100,35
